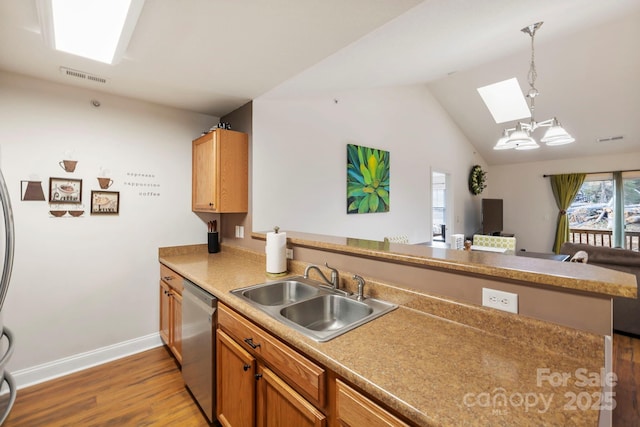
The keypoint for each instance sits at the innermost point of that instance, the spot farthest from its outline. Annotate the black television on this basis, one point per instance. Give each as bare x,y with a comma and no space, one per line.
491,216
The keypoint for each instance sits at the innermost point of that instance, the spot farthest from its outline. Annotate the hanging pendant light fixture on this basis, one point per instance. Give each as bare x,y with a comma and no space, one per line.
556,135
520,137
504,143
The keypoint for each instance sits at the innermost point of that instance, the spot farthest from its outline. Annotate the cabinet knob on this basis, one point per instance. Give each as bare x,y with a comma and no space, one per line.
246,367
211,204
167,278
258,376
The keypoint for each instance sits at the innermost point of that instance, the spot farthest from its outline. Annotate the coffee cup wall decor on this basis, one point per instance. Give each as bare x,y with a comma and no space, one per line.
68,165
105,183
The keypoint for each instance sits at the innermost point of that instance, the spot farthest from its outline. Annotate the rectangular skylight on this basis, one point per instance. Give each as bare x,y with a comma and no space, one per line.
505,101
94,29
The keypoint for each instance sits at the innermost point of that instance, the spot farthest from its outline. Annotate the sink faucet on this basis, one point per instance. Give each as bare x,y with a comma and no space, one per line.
360,280
334,282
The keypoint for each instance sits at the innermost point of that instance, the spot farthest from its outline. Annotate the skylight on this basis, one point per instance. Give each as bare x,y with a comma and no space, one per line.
94,29
505,101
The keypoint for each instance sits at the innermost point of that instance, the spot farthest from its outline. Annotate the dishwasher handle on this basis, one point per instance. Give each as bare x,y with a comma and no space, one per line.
200,294
192,304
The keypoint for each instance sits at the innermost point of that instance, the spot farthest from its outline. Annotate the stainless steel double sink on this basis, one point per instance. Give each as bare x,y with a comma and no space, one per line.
312,308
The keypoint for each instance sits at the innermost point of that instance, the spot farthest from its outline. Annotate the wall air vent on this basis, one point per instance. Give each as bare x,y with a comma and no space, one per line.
82,75
610,138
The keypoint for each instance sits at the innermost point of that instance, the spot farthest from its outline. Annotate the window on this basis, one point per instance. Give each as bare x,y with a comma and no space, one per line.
96,29
606,214
631,203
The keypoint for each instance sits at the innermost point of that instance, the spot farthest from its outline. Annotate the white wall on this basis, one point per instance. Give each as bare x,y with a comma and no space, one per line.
80,284
529,207
299,166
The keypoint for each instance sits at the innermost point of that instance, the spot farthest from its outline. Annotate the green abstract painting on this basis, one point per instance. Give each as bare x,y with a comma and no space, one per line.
367,179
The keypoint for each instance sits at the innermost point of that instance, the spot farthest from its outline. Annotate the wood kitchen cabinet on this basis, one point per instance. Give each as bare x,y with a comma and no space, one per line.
220,172
262,381
355,409
171,310
278,401
235,376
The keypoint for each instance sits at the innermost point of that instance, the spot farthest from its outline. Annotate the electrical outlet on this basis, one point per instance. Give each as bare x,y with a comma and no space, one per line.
501,300
289,253
240,231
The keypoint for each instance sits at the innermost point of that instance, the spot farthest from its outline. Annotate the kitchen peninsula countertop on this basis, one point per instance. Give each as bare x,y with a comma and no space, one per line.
553,274
432,370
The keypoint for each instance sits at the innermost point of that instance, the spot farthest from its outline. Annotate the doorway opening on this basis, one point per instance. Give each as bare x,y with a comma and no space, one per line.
440,206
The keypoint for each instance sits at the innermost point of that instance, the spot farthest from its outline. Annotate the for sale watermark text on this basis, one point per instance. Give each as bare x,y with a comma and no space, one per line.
578,399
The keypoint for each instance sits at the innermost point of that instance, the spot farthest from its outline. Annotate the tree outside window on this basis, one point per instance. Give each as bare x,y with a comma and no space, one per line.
593,209
631,199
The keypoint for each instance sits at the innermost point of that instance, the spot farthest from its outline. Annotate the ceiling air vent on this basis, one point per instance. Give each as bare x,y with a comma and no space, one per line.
610,138
82,75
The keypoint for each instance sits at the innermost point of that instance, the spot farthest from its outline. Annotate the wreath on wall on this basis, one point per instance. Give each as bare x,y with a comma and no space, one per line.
477,179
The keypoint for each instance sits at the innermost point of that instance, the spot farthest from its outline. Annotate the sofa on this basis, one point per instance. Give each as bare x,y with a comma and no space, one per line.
626,311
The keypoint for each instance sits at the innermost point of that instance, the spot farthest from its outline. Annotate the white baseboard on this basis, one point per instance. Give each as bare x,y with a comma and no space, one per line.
78,362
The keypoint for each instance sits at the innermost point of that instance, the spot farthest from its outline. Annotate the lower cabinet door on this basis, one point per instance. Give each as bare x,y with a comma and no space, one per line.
280,405
235,383
176,341
354,409
165,312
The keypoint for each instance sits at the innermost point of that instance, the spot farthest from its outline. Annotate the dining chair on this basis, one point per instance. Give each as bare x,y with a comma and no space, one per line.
508,243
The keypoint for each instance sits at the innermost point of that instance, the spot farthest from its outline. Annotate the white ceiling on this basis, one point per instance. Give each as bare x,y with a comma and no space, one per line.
208,56
212,56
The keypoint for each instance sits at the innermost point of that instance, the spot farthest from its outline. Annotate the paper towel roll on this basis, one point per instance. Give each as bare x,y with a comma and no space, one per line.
276,252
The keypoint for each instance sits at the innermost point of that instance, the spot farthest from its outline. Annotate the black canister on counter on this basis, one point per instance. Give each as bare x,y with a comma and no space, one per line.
213,242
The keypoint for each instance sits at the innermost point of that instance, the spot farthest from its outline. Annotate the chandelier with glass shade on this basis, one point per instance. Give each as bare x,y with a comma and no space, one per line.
520,137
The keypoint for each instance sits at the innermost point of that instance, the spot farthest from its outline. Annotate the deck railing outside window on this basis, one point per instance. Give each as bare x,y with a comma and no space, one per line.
603,238
607,201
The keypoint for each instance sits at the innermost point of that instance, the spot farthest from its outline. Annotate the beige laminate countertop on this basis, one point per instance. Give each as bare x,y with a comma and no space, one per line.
434,371
564,275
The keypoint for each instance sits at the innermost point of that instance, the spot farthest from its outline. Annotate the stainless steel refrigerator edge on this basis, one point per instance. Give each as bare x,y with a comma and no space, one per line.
4,287
198,346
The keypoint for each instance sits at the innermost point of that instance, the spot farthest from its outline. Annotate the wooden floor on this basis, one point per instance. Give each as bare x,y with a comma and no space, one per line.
147,390
626,365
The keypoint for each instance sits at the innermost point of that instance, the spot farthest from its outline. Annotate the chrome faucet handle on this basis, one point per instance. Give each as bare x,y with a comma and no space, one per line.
335,276
310,267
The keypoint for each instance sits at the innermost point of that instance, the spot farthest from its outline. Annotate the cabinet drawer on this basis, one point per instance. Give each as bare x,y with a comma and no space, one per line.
171,278
355,409
308,378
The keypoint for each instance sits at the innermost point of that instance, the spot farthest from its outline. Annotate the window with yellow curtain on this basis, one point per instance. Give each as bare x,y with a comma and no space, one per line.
606,210
593,208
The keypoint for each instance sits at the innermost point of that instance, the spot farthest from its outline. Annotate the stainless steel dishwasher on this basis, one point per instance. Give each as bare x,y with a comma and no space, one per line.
198,345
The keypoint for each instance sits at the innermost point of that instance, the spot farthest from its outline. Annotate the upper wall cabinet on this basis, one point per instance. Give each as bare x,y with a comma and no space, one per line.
220,172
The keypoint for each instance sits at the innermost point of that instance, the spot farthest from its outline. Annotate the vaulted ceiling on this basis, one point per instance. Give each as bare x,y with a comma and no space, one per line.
212,56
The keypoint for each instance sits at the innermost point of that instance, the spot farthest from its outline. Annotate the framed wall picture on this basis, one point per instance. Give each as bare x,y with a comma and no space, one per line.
368,175
105,202
65,190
